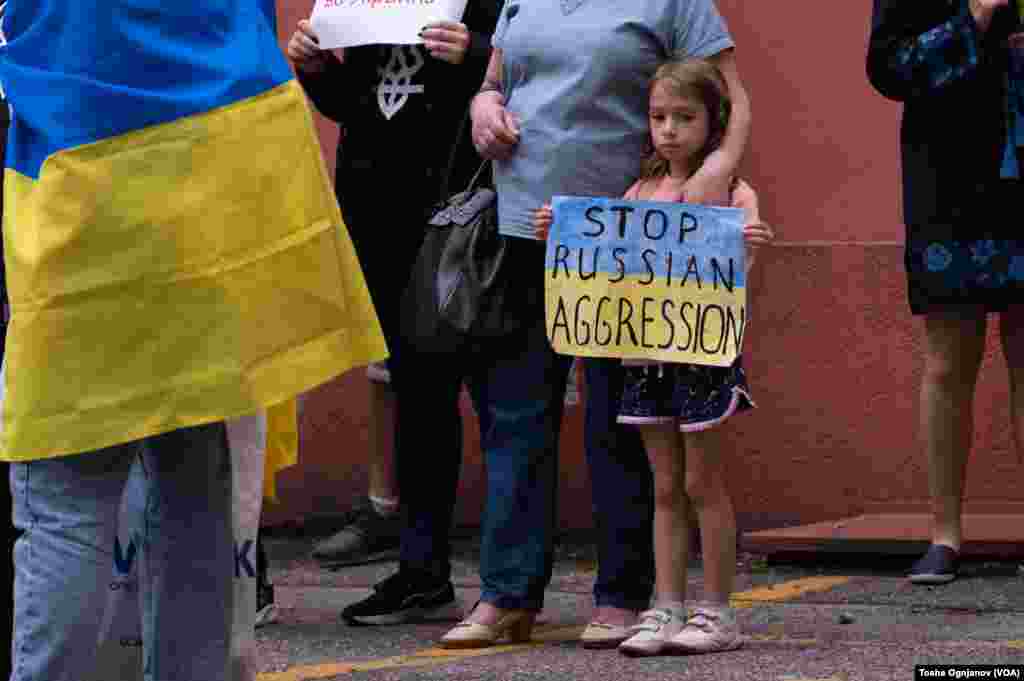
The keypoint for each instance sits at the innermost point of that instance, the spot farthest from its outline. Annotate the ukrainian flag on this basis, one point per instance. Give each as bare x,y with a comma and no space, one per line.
174,251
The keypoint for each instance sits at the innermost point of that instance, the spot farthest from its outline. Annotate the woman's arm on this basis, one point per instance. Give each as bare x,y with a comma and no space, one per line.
918,50
480,19
320,72
710,184
495,130
328,87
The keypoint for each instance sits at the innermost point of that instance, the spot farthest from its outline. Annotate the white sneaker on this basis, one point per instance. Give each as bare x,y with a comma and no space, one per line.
708,629
652,633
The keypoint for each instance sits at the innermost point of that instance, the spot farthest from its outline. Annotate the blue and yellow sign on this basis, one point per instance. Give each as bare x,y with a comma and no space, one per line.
646,280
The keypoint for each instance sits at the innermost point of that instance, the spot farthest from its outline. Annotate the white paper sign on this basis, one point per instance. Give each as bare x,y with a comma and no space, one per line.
347,23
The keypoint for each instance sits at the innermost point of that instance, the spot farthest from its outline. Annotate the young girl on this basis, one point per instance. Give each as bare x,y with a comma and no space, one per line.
678,407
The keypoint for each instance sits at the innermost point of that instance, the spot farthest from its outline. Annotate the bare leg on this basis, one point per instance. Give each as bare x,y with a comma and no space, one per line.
373,530
658,626
709,497
667,454
1011,327
382,459
955,343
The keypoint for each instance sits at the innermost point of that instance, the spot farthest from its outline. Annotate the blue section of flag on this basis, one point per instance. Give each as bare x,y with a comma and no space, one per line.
270,10
83,71
589,235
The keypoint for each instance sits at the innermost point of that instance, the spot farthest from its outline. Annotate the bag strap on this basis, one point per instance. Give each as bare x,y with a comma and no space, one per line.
446,179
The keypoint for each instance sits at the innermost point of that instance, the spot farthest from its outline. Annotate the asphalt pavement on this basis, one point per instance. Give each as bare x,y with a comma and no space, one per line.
815,618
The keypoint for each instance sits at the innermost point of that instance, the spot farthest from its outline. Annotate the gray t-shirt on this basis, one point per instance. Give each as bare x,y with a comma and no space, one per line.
576,73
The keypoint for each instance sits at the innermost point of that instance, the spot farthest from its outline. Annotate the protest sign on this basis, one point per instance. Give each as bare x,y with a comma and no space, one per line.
646,280
347,23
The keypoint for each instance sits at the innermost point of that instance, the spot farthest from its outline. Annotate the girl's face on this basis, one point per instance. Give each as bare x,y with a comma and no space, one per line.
679,126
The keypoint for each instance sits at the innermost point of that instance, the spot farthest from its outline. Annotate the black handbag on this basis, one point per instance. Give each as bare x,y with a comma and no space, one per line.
459,285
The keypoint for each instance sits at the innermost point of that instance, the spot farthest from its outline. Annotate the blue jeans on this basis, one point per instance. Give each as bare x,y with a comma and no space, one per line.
68,508
623,493
517,384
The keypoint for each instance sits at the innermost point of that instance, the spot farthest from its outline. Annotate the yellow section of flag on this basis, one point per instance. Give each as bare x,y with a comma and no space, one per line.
181,274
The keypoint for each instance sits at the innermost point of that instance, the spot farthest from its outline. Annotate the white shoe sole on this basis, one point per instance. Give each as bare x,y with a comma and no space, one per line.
268,615
931,579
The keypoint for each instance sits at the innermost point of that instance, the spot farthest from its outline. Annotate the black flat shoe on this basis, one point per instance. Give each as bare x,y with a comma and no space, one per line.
937,566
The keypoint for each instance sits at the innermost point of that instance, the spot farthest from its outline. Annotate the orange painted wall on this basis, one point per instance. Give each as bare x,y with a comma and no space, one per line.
833,353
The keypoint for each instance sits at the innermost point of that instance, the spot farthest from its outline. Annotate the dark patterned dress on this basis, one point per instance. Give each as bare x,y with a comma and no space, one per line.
961,137
694,396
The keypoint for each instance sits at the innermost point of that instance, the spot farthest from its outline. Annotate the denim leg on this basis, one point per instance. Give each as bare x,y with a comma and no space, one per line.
623,493
428,459
68,509
518,391
188,555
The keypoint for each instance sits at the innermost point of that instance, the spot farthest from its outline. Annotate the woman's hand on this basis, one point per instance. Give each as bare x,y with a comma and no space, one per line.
446,40
304,49
495,129
983,10
542,219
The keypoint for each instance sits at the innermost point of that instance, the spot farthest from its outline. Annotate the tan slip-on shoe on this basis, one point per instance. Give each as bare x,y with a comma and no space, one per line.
514,625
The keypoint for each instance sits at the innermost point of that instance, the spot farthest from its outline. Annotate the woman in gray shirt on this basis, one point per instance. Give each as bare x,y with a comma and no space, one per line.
570,117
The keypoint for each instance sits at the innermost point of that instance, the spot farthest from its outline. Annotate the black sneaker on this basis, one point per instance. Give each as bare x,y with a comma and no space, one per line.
368,537
266,610
937,566
403,597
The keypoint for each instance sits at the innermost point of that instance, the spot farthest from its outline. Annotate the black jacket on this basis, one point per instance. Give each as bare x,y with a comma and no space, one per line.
954,116
401,160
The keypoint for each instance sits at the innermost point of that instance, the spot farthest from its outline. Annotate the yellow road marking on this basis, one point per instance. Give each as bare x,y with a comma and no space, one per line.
421,658
780,638
1015,644
543,635
786,591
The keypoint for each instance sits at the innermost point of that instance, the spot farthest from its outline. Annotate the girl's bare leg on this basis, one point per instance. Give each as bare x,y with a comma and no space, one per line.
712,505
667,454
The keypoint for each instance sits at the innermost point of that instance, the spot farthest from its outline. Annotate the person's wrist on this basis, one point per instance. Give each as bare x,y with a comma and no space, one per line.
981,14
488,96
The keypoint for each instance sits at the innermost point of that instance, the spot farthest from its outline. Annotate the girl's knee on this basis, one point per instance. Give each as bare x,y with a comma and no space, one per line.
706,488
948,371
669,488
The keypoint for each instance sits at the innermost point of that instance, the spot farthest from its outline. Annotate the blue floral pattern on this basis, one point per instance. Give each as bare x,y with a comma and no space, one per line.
974,271
1016,269
937,258
941,56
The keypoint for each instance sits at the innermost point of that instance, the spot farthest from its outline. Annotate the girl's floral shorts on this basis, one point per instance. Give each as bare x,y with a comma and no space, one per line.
697,397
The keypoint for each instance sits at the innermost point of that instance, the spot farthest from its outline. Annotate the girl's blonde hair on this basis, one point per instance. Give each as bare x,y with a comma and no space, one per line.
691,78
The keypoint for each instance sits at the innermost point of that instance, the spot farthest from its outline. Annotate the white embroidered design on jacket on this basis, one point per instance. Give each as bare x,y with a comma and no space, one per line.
396,79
